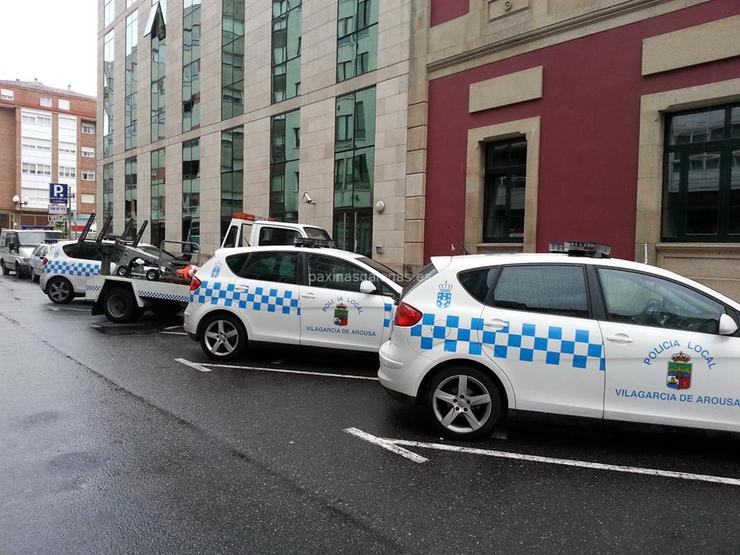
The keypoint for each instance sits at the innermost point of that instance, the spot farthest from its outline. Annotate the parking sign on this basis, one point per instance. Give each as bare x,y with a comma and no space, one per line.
58,192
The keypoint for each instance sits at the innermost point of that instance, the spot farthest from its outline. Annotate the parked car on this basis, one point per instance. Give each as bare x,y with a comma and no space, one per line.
313,296
16,246
67,267
37,261
478,335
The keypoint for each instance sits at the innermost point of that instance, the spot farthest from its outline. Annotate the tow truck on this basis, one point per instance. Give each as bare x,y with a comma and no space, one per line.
159,281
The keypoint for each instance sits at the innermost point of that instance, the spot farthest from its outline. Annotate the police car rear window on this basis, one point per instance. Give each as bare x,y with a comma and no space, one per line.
85,251
477,282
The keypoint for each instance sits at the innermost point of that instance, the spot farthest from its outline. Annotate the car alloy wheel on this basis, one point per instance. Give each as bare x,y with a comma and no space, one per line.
60,291
223,337
463,403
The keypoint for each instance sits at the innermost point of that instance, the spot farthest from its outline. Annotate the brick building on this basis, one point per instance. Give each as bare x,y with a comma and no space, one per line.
47,135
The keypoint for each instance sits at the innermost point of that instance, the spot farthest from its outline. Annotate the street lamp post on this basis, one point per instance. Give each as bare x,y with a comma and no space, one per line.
19,204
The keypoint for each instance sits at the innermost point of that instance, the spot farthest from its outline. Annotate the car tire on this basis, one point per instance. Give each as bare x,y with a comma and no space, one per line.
4,268
152,275
223,337
122,271
463,403
119,305
60,290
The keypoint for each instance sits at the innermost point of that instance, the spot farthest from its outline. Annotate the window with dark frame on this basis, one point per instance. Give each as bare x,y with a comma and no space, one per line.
158,185
130,182
284,166
286,49
505,179
232,59
158,51
191,65
357,37
191,191
232,175
701,175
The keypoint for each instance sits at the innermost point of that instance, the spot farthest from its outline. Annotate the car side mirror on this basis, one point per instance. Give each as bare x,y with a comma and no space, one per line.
727,325
368,287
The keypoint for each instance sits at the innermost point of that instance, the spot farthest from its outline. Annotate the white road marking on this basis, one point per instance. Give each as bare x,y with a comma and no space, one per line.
277,370
384,442
173,332
170,328
198,367
389,445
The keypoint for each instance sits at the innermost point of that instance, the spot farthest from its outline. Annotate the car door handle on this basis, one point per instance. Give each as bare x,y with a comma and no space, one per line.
495,323
309,295
621,338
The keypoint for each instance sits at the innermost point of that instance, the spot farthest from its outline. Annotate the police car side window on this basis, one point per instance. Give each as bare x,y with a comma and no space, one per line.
280,267
645,300
335,273
550,289
477,282
86,251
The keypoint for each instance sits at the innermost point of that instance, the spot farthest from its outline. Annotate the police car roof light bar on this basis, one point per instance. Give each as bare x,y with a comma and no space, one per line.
312,243
582,248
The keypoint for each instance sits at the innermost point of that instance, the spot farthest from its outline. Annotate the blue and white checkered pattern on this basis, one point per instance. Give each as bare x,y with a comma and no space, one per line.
68,268
261,299
553,345
387,315
164,296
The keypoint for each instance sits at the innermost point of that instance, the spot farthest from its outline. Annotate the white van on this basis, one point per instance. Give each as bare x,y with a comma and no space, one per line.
17,245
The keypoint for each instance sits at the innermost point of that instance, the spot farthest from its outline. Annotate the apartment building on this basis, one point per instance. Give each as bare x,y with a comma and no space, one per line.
47,135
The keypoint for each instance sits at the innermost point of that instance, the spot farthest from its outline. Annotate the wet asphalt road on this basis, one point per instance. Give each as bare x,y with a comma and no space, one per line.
108,444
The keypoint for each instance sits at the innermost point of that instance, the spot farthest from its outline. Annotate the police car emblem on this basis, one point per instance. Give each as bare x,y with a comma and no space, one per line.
679,371
216,270
444,296
341,315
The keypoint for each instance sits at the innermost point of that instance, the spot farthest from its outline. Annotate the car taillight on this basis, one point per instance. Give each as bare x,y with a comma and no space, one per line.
45,261
194,283
407,316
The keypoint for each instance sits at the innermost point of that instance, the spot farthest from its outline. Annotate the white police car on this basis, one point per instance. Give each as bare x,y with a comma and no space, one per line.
67,267
319,297
477,335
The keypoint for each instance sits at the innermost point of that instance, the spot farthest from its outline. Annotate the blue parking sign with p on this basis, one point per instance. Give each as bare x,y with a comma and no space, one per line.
57,192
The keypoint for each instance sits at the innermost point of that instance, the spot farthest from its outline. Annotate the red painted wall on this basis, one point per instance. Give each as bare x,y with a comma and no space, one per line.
589,114
444,10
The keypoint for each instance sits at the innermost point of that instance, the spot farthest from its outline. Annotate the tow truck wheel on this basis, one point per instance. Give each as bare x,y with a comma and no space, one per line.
4,268
463,403
59,290
120,306
223,337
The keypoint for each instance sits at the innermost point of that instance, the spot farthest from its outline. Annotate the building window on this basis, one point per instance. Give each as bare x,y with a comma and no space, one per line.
108,12
88,152
132,41
36,119
63,104
284,161
701,176
88,129
87,198
67,148
158,183
191,191
191,65
286,49
88,175
232,175
68,172
129,3
354,158
232,59
35,169
159,49
107,191
7,94
130,180
45,101
503,191
357,37
36,144
108,89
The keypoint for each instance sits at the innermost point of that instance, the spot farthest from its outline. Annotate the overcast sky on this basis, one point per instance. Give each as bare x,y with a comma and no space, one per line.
51,40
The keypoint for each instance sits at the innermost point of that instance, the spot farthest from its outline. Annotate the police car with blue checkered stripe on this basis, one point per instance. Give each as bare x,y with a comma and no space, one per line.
300,295
67,268
590,336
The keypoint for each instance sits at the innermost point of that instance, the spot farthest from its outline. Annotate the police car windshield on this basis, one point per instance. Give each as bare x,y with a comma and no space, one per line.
385,271
33,238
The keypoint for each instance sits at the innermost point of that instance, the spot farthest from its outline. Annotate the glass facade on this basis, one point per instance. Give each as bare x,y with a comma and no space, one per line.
191,65
157,182
191,191
357,37
354,158
285,143
107,191
130,181
504,189
132,41
232,175
108,12
232,59
701,176
108,59
159,50
286,49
